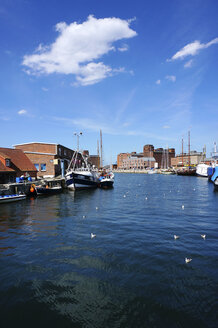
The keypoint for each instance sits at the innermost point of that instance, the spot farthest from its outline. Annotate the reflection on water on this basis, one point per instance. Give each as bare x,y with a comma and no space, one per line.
133,274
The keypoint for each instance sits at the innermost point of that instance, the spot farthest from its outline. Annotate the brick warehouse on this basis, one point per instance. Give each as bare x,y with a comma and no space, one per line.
148,152
49,159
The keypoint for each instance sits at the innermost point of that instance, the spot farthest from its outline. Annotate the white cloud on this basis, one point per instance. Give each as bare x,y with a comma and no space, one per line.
166,127
171,78
192,49
123,48
107,128
44,89
157,82
22,112
188,63
78,47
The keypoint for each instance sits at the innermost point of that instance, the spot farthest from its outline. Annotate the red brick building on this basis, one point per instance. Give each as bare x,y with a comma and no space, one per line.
49,159
160,155
14,163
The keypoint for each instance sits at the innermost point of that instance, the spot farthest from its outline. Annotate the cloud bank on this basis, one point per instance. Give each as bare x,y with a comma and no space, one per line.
78,48
192,49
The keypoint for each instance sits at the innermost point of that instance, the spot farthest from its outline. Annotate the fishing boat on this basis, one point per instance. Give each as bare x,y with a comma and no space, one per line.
11,198
106,180
46,190
80,174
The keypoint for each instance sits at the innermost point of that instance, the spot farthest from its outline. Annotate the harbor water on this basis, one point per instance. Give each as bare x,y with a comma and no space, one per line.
131,274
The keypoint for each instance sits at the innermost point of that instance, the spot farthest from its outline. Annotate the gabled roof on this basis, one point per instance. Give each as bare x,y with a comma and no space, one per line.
18,159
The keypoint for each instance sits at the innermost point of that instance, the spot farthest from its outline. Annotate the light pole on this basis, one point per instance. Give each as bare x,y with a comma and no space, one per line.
78,135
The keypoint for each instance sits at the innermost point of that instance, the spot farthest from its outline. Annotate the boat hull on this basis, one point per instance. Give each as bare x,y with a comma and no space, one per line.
106,183
202,170
48,191
11,198
186,172
75,181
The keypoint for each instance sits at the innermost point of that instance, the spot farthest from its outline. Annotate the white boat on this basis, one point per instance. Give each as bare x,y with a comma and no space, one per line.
80,175
11,198
201,170
106,180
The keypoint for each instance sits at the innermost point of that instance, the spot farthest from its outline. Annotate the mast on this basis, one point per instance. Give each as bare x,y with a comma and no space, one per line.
101,159
182,151
189,149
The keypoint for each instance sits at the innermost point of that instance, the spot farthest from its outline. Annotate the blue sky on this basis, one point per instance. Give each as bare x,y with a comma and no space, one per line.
145,72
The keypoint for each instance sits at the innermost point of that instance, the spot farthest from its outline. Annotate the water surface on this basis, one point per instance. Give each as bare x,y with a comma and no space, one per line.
133,274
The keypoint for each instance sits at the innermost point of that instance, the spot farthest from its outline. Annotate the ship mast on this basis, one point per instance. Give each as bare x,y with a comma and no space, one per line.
189,149
182,151
101,159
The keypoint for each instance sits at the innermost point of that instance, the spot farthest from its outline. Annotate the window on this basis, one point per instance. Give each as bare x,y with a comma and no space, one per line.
7,162
37,166
43,167
59,151
65,152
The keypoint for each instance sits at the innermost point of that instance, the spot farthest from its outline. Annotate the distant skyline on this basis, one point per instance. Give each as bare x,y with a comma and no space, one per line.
143,72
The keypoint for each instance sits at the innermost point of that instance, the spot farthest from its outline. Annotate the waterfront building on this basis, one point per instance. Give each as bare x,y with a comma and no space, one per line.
138,163
14,163
183,159
50,159
149,153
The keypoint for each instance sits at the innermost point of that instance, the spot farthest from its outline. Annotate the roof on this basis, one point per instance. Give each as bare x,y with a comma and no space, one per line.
18,158
4,168
35,142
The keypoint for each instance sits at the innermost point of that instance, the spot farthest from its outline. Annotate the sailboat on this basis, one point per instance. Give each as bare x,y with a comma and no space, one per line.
187,170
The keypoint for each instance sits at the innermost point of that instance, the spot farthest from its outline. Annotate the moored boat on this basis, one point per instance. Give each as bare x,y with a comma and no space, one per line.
106,180
46,190
189,171
83,177
202,170
214,178
11,198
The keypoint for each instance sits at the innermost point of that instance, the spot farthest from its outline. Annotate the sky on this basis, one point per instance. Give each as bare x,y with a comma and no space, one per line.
144,72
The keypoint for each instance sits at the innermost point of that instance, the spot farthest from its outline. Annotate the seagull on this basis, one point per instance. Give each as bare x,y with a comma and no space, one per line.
146,198
203,236
187,260
92,235
84,216
124,196
183,207
176,237
96,208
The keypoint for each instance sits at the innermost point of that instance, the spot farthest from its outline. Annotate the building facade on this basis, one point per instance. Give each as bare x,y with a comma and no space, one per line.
161,156
49,159
183,159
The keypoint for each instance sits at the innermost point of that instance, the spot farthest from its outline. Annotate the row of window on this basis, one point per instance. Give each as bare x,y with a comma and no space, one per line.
42,167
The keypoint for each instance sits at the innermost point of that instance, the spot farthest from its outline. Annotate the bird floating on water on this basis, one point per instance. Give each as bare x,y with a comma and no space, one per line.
92,235
124,196
96,208
183,207
187,260
176,237
146,198
203,236
84,216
